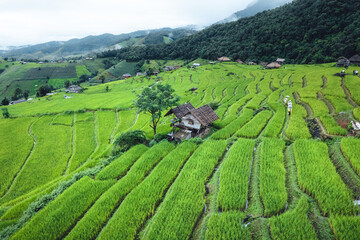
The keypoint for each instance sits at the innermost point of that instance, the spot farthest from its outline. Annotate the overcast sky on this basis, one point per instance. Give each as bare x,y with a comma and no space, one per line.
37,21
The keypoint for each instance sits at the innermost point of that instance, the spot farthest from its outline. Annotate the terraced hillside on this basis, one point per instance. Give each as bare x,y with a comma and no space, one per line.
259,174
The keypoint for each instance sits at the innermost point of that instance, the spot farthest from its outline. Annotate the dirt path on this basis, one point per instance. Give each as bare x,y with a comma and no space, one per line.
324,82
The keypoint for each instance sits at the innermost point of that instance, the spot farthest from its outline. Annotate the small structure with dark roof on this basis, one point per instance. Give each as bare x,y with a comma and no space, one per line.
140,74
264,64
191,121
224,59
343,62
273,65
239,61
355,60
74,89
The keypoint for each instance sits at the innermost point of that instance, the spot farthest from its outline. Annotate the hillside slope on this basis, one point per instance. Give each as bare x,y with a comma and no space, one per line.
302,31
89,44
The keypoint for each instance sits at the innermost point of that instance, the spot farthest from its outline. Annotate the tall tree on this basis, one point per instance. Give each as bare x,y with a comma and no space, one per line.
154,100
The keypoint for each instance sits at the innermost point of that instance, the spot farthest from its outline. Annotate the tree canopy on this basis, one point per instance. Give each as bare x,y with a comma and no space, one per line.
304,31
154,100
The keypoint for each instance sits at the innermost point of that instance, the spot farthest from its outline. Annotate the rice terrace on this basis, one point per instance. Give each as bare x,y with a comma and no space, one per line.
241,128
256,174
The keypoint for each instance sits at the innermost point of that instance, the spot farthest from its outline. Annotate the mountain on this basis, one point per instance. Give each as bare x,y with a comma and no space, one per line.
254,8
304,31
89,44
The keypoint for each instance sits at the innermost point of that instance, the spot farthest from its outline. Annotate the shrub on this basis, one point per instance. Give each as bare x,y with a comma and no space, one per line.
126,140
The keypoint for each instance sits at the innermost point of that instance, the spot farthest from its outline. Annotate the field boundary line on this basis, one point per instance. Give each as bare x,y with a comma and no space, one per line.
30,133
73,138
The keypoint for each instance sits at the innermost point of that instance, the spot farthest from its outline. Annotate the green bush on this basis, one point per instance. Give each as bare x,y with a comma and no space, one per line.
126,140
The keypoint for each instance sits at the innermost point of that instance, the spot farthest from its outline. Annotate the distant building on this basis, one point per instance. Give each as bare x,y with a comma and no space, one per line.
169,68
17,101
355,60
74,89
239,61
224,59
264,64
140,74
191,122
196,65
273,65
252,63
343,62
126,76
280,61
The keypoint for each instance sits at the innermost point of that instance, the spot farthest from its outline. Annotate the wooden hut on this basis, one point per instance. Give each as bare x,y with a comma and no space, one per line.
190,121
273,65
224,59
239,61
355,60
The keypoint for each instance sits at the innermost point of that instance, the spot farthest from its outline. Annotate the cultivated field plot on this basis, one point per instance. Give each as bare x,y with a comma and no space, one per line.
261,173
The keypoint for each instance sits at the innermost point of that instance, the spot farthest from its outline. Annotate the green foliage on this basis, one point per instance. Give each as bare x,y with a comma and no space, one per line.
227,225
5,101
230,129
58,217
293,224
332,127
272,176
253,128
302,31
5,112
187,195
154,100
120,166
141,202
82,70
126,140
92,222
234,176
297,127
350,147
105,122
276,122
324,184
53,143
15,145
345,227
356,113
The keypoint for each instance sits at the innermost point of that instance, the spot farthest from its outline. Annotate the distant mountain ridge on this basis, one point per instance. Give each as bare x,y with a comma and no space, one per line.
254,8
76,47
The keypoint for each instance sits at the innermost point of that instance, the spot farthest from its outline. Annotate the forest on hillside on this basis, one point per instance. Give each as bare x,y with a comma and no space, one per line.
304,31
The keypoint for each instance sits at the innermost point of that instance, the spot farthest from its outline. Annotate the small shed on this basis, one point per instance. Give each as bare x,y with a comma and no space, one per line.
126,76
264,64
355,60
343,62
224,59
273,65
196,64
280,61
239,61
74,89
